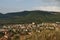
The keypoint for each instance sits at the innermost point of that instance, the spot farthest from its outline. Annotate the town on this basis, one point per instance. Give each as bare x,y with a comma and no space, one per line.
32,31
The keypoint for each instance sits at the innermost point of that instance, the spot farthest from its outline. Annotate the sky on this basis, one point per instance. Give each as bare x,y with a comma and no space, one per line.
21,5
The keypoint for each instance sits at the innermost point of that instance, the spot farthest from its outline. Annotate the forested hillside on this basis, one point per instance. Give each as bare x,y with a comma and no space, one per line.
29,16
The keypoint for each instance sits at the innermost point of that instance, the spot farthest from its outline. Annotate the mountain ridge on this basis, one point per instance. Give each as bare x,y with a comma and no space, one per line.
29,16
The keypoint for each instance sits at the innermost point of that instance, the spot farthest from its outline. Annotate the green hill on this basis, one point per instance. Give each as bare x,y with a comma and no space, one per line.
29,16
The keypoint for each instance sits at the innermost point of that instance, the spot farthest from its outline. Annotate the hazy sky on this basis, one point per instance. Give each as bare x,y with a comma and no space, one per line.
20,5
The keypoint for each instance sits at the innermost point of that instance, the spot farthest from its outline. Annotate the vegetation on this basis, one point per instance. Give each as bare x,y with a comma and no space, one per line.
1,34
29,16
43,35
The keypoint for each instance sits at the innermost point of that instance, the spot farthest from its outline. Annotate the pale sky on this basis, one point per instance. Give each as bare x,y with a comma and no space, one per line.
21,5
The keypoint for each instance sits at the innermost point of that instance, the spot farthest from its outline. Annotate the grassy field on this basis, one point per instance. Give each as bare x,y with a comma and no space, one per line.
40,35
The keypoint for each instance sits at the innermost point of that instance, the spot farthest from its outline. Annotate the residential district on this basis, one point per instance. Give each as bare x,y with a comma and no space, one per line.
33,31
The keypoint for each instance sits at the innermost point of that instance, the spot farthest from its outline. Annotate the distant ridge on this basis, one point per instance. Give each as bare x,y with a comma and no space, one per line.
30,16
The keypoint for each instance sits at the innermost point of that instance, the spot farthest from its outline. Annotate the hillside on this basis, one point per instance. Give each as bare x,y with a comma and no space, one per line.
29,16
